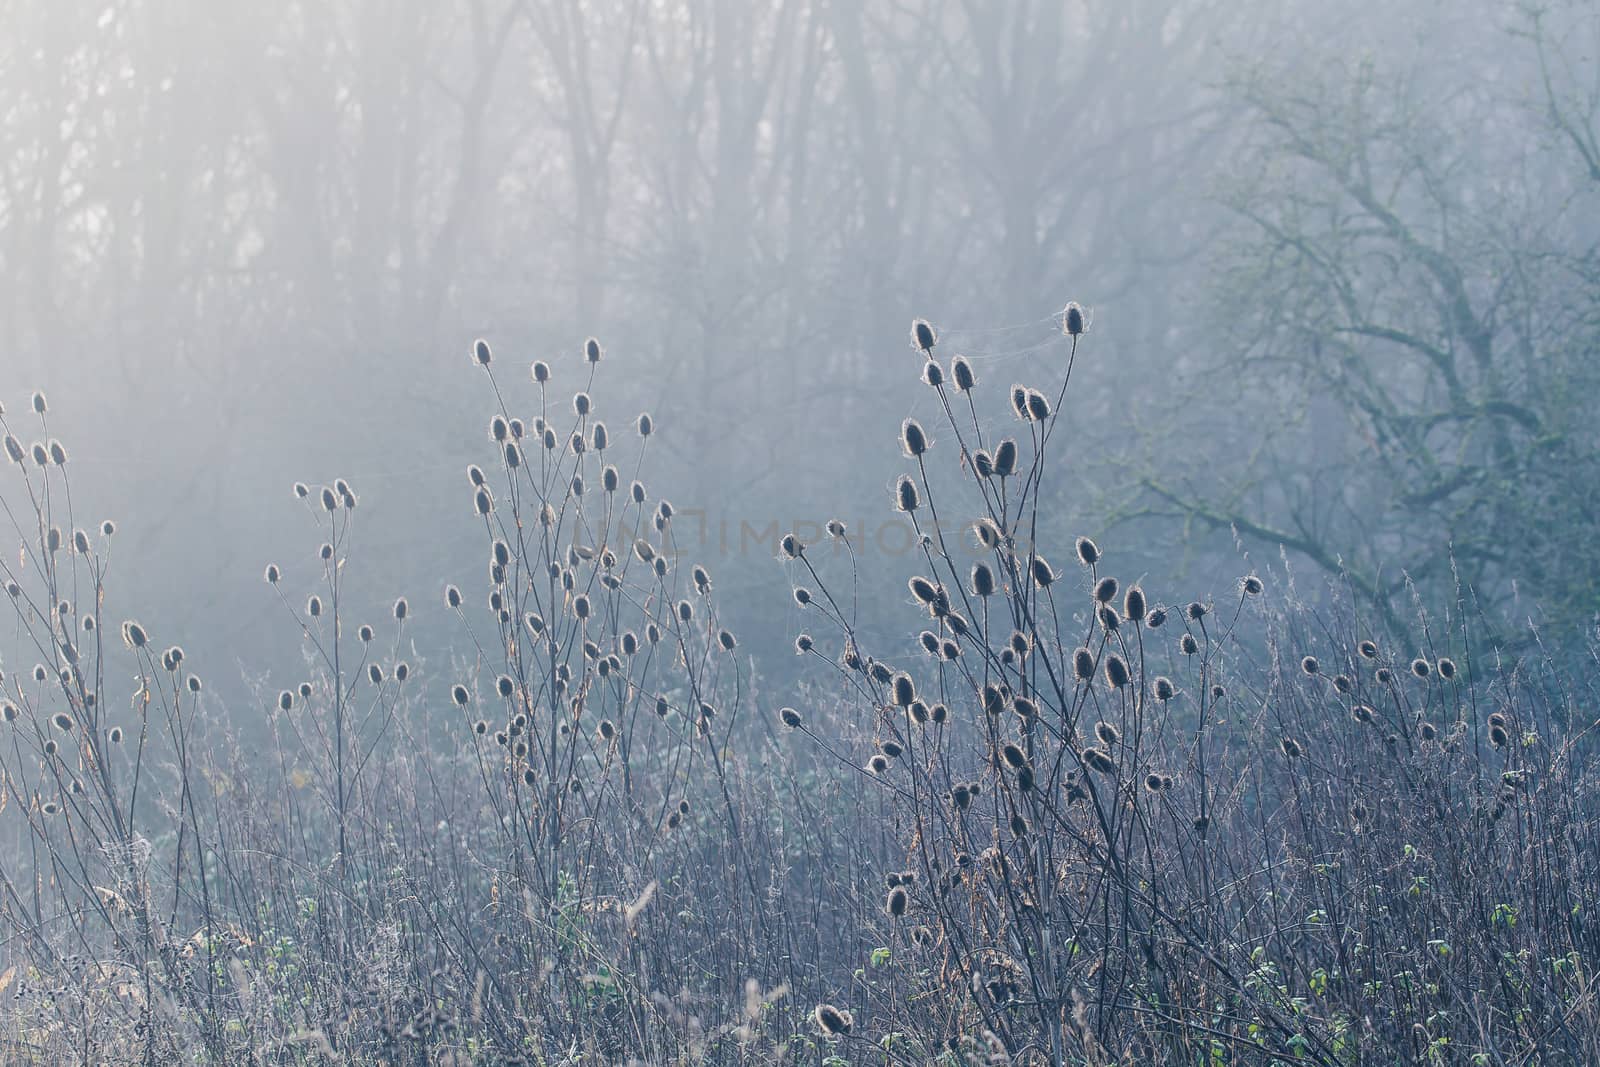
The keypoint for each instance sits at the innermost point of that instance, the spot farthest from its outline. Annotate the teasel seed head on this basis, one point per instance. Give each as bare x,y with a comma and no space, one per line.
1426,731
134,635
1038,406
1369,649
14,449
581,404
1447,668
1083,664
913,439
1250,585
932,373
1072,320
1421,668
58,452
285,700
961,372
923,335
1188,645
330,501
905,494
1363,714
1156,619
1005,458
1291,747
592,351
1309,665
1133,604
1097,759
790,718
982,580
1043,576
1105,590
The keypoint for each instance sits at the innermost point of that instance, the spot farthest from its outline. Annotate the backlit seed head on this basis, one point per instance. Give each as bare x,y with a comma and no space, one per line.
726,639
1447,668
1105,590
1005,458
1107,733
305,690
1383,675
802,595
982,580
1427,732
134,635
483,502
285,700
1156,619
1043,576
1072,320
961,372
987,534
39,404
1196,610
1362,714
1097,759
1083,664
1088,552
301,490
541,372
592,351
1163,688
803,644
1019,401
1038,406
790,718
1250,585
14,449
1109,620
1369,649
1309,665
1188,645
1498,736
480,352
1013,755
1133,604
1421,668
923,335
58,453
897,902
913,439
459,694
330,501
905,691
905,494
932,373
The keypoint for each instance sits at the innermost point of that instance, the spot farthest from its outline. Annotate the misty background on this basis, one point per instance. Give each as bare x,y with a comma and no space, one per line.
1340,263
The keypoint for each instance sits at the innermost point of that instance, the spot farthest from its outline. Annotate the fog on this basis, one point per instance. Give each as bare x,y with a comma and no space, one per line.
1339,265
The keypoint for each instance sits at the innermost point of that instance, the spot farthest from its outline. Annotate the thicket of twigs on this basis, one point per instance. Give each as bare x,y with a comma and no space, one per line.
1077,822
